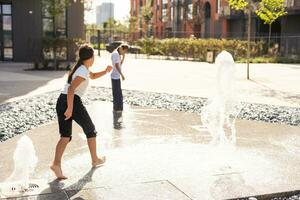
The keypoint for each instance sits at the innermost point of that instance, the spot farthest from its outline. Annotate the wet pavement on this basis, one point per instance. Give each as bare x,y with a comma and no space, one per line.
161,154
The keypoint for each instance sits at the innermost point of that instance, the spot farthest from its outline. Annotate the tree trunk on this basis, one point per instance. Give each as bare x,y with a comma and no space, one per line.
248,46
54,45
269,39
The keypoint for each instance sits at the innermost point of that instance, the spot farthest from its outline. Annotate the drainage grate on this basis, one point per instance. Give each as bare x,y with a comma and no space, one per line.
33,186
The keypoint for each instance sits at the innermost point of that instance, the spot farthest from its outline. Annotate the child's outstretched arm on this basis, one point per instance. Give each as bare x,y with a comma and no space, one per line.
100,74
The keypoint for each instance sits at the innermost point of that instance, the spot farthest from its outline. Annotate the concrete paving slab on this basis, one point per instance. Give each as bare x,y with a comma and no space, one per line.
52,196
150,190
167,145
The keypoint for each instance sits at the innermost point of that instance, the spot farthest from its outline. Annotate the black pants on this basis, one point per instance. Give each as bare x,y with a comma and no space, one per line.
117,94
80,115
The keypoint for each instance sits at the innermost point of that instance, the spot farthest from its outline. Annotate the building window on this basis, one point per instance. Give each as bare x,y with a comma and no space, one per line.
190,10
6,32
181,13
54,26
218,6
165,10
172,13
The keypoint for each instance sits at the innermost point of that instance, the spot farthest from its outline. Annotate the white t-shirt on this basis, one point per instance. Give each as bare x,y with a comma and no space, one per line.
115,58
83,72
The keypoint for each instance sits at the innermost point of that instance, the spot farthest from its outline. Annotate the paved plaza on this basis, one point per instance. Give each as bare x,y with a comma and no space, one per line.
160,154
270,83
157,153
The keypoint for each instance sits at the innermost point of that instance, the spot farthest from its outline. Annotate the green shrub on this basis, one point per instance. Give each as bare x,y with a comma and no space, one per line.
197,48
273,59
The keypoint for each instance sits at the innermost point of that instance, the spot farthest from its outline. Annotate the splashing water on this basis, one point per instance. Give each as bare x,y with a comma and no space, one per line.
25,161
220,112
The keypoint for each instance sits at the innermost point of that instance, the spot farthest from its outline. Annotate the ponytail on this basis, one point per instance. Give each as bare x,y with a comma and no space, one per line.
85,52
76,66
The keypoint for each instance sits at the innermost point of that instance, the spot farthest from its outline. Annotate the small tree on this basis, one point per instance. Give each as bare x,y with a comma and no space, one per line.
198,14
269,12
132,25
248,6
147,15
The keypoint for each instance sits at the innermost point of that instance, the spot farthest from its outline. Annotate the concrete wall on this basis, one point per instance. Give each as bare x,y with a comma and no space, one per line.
27,29
75,25
290,32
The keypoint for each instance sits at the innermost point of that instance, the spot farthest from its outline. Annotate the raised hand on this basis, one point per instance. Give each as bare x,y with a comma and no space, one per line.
108,69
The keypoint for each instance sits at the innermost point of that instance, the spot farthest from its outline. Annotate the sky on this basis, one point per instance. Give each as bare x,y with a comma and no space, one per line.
122,8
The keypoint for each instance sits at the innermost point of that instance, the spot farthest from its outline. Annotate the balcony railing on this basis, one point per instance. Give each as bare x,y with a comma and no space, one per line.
292,4
225,11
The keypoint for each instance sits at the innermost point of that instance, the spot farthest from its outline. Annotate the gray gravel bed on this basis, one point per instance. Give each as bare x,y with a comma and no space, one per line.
23,115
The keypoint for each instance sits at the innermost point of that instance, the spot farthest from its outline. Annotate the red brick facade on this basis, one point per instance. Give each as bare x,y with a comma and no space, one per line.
181,18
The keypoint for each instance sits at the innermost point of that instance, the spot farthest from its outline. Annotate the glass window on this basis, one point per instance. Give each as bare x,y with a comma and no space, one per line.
54,27
6,9
172,13
164,15
218,6
8,53
48,27
62,53
61,21
165,6
7,39
48,23
190,11
181,13
46,5
7,23
61,32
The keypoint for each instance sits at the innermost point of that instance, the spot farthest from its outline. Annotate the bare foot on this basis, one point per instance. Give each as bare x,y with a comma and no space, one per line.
57,171
99,161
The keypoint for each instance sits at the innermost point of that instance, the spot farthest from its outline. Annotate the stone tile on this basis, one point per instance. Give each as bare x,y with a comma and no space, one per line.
147,191
52,196
165,145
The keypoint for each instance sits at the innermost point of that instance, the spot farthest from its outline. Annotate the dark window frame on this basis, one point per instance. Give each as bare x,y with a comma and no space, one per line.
54,32
54,21
3,47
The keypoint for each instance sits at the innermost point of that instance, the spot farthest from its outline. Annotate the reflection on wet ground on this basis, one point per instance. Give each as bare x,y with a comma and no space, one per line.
163,154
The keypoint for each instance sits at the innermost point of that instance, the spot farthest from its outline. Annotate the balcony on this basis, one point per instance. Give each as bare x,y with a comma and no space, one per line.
292,4
227,12
224,11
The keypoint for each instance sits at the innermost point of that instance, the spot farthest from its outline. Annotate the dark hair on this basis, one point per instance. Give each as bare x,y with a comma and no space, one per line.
124,46
85,52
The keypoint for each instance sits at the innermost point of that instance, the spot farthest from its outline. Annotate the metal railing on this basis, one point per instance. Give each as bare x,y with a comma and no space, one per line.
285,45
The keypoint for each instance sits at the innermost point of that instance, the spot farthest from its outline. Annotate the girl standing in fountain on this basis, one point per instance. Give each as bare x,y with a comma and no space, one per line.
69,107
117,58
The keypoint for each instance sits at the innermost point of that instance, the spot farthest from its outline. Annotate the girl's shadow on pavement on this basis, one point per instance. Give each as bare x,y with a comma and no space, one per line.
56,186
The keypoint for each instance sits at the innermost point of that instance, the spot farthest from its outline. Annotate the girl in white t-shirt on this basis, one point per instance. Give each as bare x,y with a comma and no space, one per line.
69,107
